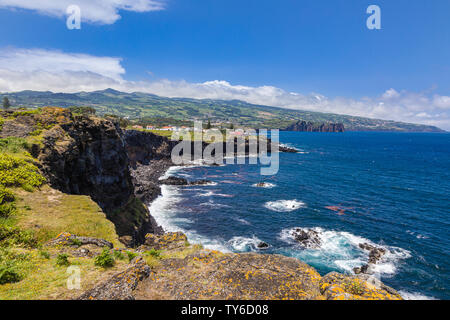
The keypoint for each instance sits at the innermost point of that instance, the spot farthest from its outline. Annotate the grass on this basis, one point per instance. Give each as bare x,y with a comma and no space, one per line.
44,280
53,212
105,259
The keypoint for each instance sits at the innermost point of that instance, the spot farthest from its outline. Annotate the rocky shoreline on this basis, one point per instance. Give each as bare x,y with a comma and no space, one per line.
120,171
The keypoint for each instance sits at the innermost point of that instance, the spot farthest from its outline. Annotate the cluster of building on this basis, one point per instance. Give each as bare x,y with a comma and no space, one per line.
236,132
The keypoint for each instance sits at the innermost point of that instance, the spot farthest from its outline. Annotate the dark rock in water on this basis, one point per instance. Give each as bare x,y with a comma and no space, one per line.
262,245
375,254
175,181
307,238
287,149
199,182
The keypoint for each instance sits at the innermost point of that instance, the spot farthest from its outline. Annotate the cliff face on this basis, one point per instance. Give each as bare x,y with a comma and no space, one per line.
89,156
304,126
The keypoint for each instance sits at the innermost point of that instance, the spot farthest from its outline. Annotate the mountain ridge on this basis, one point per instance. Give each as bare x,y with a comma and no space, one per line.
138,105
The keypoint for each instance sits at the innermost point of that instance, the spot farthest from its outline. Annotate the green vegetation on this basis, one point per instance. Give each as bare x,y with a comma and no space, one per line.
62,260
75,242
158,111
10,266
6,103
118,255
82,110
16,172
105,259
131,255
154,253
44,254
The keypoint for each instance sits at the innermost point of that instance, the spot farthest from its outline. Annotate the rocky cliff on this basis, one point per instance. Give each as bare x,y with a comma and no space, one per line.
304,126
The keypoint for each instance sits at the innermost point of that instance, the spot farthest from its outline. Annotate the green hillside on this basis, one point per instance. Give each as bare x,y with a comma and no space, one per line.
155,108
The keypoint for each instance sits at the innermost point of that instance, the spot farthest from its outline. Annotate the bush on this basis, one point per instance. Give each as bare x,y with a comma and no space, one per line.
154,253
131,255
7,209
62,260
105,259
75,242
14,145
15,172
15,236
44,254
118,255
10,266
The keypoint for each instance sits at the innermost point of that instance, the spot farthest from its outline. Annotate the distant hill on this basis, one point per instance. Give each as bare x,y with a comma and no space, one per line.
141,105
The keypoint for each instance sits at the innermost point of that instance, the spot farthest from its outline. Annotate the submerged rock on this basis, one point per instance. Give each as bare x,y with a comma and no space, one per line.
375,254
307,238
262,245
176,181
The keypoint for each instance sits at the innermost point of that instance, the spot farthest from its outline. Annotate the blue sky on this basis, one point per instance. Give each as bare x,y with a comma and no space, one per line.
312,54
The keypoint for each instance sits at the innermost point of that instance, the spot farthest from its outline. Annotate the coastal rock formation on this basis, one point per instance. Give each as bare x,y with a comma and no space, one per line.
87,156
307,238
304,126
121,285
336,286
166,241
176,181
67,239
375,254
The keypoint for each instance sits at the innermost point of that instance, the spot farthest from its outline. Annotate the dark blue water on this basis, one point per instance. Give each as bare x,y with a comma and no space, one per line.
390,189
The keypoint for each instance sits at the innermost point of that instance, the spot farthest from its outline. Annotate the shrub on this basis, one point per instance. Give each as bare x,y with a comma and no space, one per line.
62,260
2,121
131,255
105,259
75,242
10,266
15,236
154,253
44,254
118,255
7,209
14,145
15,172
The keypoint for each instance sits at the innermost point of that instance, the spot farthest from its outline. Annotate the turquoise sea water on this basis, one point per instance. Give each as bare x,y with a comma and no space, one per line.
390,189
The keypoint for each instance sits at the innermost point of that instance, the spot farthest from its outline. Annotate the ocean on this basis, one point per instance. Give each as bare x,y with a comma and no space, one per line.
387,189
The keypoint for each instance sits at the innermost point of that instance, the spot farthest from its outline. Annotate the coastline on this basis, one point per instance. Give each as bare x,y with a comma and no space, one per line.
169,197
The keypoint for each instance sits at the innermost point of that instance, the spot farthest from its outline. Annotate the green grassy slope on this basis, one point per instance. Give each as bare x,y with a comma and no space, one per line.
141,105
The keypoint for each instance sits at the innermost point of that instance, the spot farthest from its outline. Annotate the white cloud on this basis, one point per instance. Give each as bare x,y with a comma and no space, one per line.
56,71
92,11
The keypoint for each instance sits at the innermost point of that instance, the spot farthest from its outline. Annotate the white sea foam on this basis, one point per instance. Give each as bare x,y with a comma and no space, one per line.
211,193
266,185
243,244
284,205
414,296
164,210
342,250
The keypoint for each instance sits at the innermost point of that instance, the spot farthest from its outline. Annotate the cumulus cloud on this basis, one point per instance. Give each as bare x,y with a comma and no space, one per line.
92,11
57,71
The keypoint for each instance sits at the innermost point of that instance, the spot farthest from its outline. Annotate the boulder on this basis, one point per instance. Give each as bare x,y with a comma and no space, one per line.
121,285
307,238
